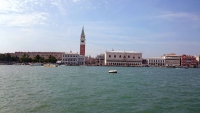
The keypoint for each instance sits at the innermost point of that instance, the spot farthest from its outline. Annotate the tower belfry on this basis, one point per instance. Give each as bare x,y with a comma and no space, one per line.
82,43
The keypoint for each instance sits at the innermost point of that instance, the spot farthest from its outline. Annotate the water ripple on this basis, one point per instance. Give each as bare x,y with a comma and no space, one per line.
84,89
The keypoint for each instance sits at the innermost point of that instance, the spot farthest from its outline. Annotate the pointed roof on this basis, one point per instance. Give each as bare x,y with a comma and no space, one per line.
82,33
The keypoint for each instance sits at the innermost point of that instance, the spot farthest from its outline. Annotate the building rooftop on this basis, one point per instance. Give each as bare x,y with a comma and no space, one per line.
123,51
155,58
71,52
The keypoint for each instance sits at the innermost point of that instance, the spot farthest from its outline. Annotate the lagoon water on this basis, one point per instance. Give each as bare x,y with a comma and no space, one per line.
82,89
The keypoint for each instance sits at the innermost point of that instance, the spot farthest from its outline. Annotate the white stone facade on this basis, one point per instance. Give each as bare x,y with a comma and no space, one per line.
172,59
156,61
198,59
123,58
73,59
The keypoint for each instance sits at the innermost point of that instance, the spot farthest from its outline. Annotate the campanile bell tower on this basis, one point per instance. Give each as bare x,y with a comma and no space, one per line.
82,43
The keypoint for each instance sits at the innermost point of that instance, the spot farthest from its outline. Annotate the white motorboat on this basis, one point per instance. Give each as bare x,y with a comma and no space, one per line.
112,71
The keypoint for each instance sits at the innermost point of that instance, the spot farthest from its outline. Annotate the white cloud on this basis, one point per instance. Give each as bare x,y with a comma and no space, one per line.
21,12
10,5
19,5
75,0
23,19
39,2
181,15
59,5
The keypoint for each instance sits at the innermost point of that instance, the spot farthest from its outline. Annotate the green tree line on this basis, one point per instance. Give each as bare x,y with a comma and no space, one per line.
25,58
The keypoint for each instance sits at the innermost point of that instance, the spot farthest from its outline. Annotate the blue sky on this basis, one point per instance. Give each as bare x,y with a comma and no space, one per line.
153,27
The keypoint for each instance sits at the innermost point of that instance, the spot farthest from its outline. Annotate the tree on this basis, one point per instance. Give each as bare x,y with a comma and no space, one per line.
51,59
8,57
14,58
37,57
34,60
41,59
25,58
2,57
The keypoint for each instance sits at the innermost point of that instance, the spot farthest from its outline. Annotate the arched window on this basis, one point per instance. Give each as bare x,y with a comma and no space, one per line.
128,56
114,56
109,56
120,56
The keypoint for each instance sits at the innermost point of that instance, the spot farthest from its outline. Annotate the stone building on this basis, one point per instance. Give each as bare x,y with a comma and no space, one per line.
156,61
198,59
188,60
100,60
73,59
144,62
123,58
172,59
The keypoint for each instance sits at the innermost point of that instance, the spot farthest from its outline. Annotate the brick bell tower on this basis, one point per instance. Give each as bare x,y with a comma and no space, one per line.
82,43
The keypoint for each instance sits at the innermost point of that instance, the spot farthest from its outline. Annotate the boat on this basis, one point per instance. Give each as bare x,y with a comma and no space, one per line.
35,64
50,65
185,67
112,71
170,66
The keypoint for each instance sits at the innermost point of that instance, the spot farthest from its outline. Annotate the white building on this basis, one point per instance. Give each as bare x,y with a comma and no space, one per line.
123,58
198,59
172,59
73,59
156,61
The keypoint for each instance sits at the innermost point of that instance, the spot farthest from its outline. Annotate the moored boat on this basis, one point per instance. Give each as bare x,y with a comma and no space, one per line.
170,66
112,71
185,67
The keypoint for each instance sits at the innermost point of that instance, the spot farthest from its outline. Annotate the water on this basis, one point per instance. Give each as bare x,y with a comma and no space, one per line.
66,89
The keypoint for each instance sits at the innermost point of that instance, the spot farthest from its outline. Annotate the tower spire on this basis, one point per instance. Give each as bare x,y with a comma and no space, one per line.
82,33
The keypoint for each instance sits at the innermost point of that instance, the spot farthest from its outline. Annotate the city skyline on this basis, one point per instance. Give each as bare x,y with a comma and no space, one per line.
152,27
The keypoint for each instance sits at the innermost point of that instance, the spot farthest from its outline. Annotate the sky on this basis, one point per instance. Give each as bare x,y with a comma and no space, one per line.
153,27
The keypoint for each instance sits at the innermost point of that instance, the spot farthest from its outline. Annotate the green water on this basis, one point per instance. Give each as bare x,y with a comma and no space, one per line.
66,89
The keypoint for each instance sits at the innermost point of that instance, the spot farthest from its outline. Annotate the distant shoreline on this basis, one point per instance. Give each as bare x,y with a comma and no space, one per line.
28,64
